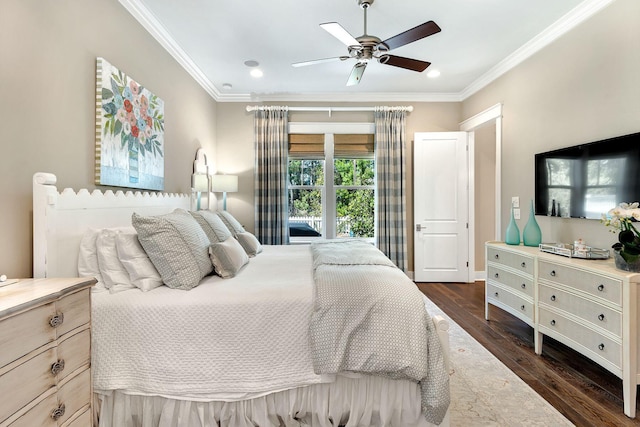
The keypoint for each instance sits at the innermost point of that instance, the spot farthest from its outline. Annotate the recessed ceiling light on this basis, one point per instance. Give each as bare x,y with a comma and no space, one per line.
433,74
226,86
256,72
251,63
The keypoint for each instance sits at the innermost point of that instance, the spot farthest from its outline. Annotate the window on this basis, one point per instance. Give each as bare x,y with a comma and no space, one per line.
331,186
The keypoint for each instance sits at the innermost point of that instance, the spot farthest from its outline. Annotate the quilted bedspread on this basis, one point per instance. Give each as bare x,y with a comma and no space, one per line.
368,317
226,339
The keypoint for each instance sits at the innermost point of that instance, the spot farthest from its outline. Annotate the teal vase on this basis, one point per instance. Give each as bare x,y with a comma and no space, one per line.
531,234
512,236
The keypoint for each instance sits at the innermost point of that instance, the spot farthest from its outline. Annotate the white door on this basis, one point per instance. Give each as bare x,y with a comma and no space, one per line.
441,201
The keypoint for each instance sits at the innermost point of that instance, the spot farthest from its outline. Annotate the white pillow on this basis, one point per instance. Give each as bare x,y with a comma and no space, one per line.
88,257
227,257
115,276
135,260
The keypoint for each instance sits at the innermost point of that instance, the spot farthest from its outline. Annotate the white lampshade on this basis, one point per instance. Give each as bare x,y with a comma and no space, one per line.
224,183
200,182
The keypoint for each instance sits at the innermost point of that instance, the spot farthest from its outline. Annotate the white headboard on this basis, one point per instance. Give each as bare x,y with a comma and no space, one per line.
60,219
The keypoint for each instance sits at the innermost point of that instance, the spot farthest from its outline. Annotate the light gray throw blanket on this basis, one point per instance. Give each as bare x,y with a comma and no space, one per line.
369,317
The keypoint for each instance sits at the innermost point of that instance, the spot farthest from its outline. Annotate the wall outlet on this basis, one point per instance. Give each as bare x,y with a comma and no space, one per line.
515,201
516,213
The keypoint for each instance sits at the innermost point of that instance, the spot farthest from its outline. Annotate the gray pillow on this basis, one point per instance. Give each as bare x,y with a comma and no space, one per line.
228,257
248,241
214,228
232,224
177,246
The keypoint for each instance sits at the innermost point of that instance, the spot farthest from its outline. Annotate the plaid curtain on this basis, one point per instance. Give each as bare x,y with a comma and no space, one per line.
271,148
390,177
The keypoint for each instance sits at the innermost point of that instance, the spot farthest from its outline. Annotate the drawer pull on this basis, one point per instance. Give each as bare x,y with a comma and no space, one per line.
601,288
553,323
601,317
58,412
497,256
553,273
553,297
57,367
523,286
496,294
601,347
522,307
524,264
56,320
496,275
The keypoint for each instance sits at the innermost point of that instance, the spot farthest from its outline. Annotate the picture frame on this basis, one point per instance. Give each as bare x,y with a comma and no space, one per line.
129,131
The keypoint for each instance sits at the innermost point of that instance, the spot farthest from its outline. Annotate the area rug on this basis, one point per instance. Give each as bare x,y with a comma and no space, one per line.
484,392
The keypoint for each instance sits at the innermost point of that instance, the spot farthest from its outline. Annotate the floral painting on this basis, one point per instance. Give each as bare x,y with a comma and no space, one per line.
129,131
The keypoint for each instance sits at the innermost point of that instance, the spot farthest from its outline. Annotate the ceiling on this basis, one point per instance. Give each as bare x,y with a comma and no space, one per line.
479,41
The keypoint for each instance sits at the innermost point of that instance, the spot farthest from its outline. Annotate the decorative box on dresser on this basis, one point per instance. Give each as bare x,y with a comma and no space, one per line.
45,353
588,305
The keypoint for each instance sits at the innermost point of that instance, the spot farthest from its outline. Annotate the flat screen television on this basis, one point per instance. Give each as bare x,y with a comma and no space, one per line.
587,180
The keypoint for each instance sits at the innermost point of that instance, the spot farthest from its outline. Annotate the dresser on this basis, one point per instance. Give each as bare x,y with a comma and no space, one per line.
588,305
45,361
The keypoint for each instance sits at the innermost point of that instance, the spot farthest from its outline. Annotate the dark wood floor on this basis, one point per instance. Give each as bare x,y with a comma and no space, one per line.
582,391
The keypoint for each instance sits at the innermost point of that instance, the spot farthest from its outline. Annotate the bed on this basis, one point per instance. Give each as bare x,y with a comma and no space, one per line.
269,345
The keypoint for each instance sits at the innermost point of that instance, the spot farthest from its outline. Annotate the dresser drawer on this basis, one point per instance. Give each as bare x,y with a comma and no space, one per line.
75,394
82,420
518,262
39,415
590,311
73,353
24,332
597,344
517,282
25,382
75,309
594,284
517,304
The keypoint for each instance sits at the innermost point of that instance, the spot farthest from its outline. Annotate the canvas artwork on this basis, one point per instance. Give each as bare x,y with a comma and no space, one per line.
129,131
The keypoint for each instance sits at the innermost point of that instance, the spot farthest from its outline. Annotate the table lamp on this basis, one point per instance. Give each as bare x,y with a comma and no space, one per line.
224,184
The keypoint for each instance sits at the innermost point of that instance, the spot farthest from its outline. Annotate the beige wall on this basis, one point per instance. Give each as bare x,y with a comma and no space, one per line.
47,88
583,87
235,145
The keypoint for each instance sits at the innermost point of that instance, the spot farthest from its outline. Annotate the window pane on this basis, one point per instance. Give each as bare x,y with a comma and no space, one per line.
343,172
365,172
354,213
306,172
295,172
305,206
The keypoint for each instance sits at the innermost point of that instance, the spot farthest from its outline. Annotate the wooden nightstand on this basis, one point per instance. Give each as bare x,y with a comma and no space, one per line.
45,362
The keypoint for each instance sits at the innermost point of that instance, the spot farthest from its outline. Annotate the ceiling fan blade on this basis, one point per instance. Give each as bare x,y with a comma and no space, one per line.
338,31
409,36
319,61
356,73
401,62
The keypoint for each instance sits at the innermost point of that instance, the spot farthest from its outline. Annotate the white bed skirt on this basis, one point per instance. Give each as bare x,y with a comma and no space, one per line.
361,401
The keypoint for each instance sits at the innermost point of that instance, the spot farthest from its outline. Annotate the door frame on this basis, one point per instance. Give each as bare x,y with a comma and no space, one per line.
485,118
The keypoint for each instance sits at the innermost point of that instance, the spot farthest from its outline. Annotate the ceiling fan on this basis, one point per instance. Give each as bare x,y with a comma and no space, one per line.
367,47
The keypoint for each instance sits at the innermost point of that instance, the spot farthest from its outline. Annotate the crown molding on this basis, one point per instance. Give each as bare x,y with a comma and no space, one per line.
144,16
569,21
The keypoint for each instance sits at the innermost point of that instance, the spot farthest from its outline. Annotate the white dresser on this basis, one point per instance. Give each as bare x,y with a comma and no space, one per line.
588,305
45,362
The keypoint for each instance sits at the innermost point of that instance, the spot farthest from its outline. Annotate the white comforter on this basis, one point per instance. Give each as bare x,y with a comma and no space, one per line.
183,344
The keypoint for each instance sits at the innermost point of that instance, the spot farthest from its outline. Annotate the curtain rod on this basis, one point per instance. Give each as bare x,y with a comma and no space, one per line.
327,109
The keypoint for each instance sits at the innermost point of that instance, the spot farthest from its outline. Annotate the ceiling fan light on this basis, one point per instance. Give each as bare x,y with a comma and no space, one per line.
256,72
433,74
